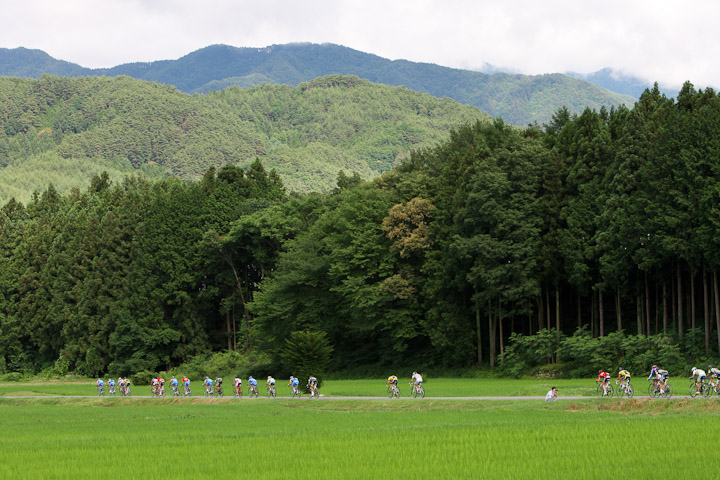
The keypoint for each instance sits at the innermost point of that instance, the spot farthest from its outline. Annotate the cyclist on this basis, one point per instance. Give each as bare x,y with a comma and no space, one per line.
237,384
294,383
161,386
701,377
624,377
111,385
551,396
127,386
392,382
218,387
312,385
155,386
714,375
416,380
174,383
659,377
100,387
270,384
603,377
208,383
253,385
186,385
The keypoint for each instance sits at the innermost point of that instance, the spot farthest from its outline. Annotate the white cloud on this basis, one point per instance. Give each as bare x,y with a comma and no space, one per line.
663,40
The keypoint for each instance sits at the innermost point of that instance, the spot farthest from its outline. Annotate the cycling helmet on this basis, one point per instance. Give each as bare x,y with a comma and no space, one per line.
414,373
694,369
291,377
600,371
620,369
710,367
250,377
269,377
654,366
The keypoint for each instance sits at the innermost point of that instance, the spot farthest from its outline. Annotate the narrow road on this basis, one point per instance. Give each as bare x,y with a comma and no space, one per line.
247,399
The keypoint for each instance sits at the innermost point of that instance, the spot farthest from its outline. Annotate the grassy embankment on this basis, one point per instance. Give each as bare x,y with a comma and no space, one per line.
198,438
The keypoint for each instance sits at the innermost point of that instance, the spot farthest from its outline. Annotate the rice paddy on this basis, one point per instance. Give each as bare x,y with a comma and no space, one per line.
213,438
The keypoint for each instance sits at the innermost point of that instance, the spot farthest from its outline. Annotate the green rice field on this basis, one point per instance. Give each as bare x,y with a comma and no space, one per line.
211,438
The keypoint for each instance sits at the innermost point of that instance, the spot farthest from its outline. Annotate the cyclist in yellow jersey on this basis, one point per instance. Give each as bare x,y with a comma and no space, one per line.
624,377
392,382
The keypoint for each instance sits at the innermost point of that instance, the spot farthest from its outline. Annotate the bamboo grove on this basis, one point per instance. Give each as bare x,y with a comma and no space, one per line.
607,221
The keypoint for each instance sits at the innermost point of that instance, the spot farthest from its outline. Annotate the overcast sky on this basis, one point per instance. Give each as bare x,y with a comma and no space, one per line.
667,41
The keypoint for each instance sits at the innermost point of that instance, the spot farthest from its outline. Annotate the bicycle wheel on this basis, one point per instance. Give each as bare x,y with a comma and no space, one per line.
414,392
421,392
706,390
667,391
694,390
599,391
396,392
629,391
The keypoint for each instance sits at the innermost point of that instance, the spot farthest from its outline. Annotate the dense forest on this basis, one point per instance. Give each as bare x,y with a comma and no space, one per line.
64,131
598,223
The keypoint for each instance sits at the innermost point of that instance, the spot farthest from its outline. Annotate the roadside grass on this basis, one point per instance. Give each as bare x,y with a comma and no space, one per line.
80,438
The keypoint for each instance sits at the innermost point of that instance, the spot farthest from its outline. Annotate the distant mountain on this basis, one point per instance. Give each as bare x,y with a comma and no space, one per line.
518,99
614,81
65,130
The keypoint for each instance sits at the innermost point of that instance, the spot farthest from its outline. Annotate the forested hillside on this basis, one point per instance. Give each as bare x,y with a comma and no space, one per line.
63,131
596,237
517,99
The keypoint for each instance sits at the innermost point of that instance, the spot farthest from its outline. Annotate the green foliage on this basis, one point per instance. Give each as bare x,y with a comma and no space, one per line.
307,353
582,355
64,131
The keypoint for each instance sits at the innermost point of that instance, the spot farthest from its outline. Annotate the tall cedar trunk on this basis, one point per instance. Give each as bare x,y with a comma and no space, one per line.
618,307
547,307
681,331
557,311
647,305
665,310
479,335
234,328
227,330
638,313
673,290
602,312
692,299
541,312
502,342
492,327
593,316
706,311
579,310
717,306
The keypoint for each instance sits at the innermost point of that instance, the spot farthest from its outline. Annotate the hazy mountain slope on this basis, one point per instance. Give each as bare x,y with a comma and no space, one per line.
518,99
307,133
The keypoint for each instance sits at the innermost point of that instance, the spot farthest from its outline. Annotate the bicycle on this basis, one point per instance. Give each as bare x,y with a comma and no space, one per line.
186,390
660,388
393,391
101,391
175,391
418,391
697,390
271,392
294,391
125,391
625,389
603,393
253,391
111,390
238,391
712,388
209,391
314,391
219,390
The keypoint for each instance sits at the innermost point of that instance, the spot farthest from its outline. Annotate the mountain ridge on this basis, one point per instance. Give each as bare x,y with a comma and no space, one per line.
518,99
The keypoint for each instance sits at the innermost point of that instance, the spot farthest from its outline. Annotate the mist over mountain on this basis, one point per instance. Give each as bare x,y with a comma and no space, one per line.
518,99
